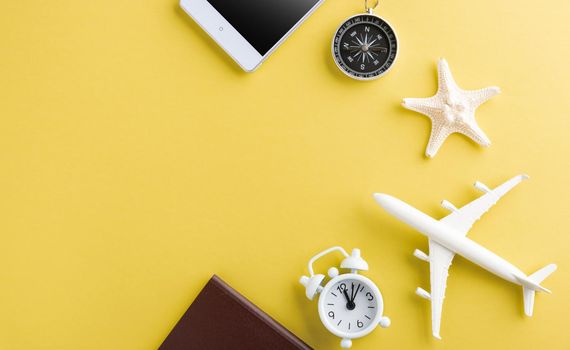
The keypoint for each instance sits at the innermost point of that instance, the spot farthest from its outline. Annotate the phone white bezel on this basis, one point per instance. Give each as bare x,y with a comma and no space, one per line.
222,31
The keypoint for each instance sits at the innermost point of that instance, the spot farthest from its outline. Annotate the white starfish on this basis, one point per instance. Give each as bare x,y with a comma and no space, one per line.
451,110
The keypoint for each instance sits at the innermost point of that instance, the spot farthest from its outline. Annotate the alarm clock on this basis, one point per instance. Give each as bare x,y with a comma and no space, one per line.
350,305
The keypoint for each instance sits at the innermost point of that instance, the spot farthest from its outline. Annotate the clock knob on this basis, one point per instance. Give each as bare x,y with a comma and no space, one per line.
346,343
312,285
333,272
354,262
385,322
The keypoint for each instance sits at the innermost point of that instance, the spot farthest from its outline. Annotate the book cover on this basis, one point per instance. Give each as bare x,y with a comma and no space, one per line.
221,318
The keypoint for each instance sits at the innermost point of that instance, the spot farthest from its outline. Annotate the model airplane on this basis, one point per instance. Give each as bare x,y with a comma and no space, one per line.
447,237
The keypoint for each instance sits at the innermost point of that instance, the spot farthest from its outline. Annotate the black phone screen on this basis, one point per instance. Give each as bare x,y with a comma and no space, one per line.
263,22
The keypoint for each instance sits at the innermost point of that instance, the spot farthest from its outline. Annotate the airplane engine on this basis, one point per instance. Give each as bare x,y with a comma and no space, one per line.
481,187
423,293
421,255
447,205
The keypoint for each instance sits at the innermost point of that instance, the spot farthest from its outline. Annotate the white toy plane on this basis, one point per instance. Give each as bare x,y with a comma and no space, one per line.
447,237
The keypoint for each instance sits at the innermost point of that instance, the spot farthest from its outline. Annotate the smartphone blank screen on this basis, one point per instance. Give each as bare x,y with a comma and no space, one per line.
263,22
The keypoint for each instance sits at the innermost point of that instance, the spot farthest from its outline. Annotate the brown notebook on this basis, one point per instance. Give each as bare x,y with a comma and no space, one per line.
222,319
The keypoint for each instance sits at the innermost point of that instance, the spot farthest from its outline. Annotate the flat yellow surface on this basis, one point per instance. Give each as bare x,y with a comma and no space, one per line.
137,160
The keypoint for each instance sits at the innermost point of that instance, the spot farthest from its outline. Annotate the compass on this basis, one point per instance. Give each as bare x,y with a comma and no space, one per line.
365,46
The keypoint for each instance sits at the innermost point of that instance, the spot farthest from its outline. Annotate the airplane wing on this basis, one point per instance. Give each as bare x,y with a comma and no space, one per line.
440,259
463,219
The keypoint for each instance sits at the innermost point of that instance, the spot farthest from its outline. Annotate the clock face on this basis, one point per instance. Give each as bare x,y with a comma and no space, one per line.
351,306
365,47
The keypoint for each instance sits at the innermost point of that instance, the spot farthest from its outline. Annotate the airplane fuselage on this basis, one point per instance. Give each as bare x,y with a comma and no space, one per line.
452,240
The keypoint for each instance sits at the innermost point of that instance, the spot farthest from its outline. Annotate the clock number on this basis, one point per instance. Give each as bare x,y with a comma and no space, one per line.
370,296
341,288
331,314
359,324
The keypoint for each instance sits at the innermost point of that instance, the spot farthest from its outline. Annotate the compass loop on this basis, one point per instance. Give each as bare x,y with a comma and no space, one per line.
370,5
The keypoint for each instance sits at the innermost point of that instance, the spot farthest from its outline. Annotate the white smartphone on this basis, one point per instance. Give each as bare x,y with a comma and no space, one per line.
249,30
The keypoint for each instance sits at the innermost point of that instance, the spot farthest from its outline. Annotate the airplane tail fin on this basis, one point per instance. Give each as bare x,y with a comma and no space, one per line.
531,284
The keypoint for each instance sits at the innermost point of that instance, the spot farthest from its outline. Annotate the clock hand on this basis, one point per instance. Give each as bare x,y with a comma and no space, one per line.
346,296
356,293
349,304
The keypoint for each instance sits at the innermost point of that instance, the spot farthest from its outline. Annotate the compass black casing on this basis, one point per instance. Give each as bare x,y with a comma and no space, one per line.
365,47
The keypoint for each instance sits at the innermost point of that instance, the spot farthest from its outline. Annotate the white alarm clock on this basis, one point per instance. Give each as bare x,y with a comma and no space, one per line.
350,305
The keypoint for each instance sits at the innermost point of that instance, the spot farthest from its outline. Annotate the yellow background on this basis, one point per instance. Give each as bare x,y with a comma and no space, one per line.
137,160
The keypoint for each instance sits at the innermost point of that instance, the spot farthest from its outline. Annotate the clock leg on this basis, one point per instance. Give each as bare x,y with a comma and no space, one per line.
346,343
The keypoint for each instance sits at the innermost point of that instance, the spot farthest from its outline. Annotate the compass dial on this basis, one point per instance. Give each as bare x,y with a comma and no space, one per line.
365,47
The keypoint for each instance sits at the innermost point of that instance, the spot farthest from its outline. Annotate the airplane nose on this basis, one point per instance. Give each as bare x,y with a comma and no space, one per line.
383,199
392,205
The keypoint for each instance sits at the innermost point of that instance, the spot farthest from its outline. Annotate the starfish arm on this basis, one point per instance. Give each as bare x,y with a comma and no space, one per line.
439,134
446,83
427,106
478,97
474,132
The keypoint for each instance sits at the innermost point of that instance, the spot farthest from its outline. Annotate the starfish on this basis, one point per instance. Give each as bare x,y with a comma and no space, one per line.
451,110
